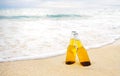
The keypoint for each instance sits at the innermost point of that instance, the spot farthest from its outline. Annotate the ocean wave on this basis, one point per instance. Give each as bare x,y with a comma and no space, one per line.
56,16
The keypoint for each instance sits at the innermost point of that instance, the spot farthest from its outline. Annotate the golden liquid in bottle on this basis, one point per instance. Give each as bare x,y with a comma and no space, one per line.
71,52
82,54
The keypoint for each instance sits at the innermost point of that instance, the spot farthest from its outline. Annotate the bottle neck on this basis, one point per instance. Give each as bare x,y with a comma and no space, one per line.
75,35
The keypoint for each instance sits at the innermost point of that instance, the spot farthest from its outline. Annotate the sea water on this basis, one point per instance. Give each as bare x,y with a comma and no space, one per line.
32,33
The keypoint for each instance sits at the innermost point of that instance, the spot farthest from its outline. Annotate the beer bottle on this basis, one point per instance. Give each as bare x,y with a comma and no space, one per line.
82,54
71,50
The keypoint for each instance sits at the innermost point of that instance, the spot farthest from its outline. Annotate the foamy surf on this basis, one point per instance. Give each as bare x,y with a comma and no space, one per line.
29,37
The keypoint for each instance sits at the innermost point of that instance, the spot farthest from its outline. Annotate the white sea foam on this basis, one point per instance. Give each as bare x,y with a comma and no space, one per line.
22,39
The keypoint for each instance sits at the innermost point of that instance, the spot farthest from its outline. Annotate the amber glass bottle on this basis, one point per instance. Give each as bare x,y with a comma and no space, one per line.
82,54
71,51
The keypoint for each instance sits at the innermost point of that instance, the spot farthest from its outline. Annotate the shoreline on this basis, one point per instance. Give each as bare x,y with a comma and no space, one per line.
52,54
104,62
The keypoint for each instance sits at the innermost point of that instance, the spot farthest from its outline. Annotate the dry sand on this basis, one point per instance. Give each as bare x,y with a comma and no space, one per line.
105,62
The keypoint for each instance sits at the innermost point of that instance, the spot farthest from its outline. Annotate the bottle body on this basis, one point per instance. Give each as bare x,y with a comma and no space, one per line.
71,52
82,54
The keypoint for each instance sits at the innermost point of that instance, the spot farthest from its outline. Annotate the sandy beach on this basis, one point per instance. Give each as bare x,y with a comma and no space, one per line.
105,62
